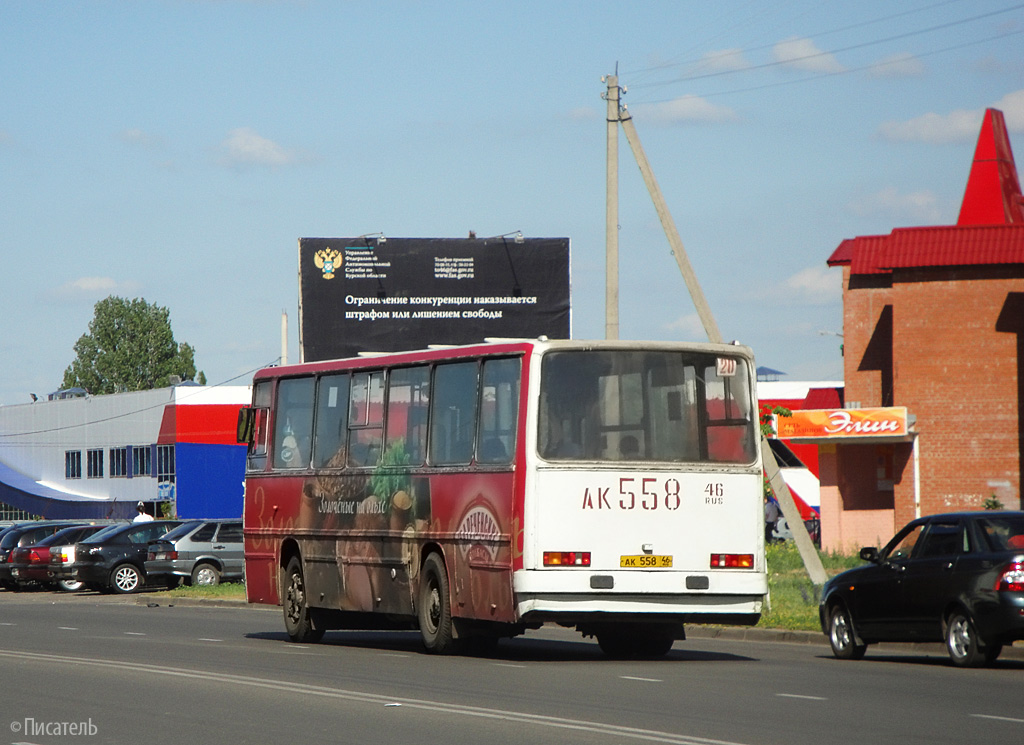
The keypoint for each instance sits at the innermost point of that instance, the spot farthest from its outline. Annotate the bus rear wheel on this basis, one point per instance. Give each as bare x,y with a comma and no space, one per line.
434,608
297,620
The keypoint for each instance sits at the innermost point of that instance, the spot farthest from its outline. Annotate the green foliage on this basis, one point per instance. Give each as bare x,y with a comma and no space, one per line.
992,503
794,598
129,347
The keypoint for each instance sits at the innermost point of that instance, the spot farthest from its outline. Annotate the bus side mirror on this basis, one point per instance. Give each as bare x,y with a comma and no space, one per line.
246,426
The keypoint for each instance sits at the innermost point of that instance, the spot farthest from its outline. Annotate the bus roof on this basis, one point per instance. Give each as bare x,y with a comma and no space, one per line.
492,346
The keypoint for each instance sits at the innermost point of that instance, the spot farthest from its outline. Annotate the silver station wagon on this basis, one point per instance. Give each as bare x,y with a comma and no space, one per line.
202,552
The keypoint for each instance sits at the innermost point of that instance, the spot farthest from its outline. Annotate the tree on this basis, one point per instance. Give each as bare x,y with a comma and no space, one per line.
129,347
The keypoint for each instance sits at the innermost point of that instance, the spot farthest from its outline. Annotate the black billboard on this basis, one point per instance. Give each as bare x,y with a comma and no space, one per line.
370,294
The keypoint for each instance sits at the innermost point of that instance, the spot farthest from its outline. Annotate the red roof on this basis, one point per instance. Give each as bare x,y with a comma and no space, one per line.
990,229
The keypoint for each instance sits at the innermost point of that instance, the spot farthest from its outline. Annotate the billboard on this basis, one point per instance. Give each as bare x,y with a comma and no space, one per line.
371,294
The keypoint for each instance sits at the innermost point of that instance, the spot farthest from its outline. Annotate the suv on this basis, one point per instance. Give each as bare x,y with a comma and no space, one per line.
200,552
114,559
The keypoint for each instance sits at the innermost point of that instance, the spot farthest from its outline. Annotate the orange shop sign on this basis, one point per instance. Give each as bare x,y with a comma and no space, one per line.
888,421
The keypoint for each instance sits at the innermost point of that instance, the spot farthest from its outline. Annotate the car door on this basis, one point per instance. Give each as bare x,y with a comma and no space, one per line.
928,578
878,592
229,548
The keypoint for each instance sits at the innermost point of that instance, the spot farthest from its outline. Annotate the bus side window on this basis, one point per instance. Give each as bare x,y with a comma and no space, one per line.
257,459
331,424
499,411
453,413
366,419
406,431
293,423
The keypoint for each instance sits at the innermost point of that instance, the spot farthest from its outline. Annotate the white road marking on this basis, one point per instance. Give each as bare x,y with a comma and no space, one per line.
210,640
506,664
796,695
642,680
67,628
134,633
998,719
303,689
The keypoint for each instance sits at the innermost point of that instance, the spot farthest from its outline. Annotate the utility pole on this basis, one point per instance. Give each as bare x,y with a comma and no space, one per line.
812,562
611,223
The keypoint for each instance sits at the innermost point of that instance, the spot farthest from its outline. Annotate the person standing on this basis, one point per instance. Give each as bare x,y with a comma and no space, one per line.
143,516
771,517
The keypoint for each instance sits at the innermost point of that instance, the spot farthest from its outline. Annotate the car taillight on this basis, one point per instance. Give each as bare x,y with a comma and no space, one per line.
566,558
732,561
34,557
1011,579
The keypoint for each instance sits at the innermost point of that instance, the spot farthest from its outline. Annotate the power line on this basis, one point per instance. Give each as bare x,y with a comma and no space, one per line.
777,63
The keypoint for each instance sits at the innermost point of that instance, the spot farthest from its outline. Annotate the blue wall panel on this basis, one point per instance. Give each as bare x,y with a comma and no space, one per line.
209,480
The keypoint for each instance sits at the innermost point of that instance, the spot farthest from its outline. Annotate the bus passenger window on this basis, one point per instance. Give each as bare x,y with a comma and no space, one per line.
366,419
408,399
453,413
293,423
331,427
499,411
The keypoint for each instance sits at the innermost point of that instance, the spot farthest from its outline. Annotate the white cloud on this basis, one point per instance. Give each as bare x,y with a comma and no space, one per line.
803,54
685,110
244,147
815,285
903,65
687,327
936,129
921,207
91,289
139,137
1012,106
584,114
724,60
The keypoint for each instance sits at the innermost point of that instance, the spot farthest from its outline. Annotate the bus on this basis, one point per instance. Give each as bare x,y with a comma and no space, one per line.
476,492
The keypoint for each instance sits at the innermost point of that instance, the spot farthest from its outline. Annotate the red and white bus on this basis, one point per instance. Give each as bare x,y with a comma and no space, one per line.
475,492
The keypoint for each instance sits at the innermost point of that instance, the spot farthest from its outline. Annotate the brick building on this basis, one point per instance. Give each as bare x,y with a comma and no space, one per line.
933,321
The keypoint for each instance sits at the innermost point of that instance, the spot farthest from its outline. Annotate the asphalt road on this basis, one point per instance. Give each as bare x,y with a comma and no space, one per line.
98,669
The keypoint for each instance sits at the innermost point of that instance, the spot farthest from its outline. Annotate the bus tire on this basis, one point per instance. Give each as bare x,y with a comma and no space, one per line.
434,609
297,621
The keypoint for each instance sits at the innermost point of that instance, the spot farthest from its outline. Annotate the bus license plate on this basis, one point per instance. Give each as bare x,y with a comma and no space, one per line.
646,561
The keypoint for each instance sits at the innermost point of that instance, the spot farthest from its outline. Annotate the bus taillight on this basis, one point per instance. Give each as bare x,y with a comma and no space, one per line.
732,561
567,558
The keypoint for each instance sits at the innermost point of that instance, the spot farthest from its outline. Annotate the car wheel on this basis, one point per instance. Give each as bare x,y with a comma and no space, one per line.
434,607
962,641
841,635
70,585
297,620
125,579
205,575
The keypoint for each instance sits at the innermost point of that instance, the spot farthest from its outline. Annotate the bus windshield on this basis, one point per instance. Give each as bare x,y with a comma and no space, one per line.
645,405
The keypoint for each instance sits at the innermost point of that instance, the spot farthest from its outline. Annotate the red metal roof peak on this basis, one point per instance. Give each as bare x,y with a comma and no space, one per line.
993,195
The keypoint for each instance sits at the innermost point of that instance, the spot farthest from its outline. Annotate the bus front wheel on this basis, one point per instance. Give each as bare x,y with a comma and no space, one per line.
434,607
297,620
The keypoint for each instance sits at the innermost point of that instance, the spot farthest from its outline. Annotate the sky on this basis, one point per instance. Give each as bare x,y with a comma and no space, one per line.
175,150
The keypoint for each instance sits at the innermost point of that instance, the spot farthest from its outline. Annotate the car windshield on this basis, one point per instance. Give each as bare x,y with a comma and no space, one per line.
1003,532
181,530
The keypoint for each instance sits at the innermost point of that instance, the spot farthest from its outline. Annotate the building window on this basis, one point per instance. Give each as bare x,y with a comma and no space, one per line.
165,463
73,464
142,460
95,463
118,463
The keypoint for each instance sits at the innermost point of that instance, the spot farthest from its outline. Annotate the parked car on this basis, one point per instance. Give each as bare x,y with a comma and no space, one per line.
113,560
200,552
24,534
957,578
31,564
